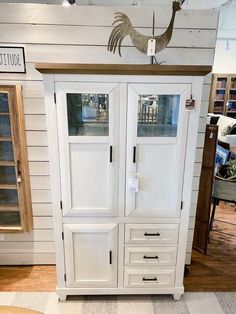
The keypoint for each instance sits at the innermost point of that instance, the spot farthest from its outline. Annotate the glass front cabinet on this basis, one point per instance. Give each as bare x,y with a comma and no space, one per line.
122,151
15,199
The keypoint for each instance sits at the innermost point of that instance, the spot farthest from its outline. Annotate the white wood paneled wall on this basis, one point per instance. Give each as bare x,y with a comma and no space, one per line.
77,35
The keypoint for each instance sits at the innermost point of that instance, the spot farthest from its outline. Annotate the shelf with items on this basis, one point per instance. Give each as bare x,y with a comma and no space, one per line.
15,199
223,94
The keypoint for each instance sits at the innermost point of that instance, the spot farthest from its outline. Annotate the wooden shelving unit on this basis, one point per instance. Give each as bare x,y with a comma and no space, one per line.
223,94
15,199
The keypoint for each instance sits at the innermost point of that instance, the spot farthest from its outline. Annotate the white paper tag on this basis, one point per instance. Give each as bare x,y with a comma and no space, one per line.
151,47
133,184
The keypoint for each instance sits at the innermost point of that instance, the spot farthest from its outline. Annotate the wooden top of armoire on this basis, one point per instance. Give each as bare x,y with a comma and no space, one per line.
123,69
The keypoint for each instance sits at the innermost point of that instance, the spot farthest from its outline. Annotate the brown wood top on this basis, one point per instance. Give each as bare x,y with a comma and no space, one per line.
123,69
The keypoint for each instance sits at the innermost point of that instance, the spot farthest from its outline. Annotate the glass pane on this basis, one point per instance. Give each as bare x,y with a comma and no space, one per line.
9,218
5,126
8,197
6,151
218,106
88,114
233,82
4,102
158,115
220,94
7,175
221,82
232,94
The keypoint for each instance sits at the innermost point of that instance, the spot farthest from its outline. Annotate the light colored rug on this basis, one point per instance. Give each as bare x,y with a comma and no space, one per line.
190,303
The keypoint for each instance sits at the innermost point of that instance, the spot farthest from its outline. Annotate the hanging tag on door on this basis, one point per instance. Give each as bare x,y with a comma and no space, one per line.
190,104
133,184
151,47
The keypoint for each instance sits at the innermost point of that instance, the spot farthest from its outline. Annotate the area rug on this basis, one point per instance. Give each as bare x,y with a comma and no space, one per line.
192,303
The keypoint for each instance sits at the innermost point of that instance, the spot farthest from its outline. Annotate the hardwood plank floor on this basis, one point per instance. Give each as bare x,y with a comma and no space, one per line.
28,278
215,271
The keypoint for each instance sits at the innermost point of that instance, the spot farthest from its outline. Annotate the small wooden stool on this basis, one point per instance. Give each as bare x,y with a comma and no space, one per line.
16,310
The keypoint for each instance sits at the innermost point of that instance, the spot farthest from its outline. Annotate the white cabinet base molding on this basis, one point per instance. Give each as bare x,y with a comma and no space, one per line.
122,150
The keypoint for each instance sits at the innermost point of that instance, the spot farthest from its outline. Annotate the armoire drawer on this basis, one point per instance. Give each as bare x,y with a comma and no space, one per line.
151,278
151,233
151,256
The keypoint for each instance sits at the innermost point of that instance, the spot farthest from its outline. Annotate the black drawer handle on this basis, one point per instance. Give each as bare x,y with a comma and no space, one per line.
134,154
110,257
150,279
150,257
152,234
110,153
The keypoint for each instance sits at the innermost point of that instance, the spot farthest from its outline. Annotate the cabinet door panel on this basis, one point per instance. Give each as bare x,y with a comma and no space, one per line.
91,255
89,187
88,126
156,139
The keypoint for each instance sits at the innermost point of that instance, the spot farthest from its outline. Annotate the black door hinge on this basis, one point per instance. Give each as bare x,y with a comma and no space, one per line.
55,98
60,204
182,205
62,235
65,277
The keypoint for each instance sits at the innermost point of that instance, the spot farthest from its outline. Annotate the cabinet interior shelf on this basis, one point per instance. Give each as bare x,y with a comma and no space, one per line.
8,186
7,163
5,139
4,113
9,207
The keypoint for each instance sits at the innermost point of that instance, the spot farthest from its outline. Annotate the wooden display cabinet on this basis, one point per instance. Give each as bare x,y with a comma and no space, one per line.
223,94
15,198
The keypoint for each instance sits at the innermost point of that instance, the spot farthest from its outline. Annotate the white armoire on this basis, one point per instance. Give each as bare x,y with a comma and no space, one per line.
122,141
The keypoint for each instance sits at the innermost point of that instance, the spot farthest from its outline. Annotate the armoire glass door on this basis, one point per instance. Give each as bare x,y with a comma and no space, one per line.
156,138
88,118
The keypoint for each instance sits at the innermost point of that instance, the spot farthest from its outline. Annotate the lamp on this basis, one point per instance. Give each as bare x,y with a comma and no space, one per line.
67,3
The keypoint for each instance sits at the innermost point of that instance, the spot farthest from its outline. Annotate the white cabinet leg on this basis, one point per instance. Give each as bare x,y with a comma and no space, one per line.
62,297
177,296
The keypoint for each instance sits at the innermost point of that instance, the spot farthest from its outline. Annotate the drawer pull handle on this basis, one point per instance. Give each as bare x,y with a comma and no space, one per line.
134,154
110,257
150,257
150,279
152,234
110,153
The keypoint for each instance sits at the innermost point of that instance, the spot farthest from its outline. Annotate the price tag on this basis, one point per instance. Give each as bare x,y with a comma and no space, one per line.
190,104
133,184
151,47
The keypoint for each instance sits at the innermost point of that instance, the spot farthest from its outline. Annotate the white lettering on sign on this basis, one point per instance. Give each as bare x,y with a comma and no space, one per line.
12,59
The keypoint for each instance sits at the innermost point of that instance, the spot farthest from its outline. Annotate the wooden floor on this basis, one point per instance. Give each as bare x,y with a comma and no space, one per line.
213,272
216,271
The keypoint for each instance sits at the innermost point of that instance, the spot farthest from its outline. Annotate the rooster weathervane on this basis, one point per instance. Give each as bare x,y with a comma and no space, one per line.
140,41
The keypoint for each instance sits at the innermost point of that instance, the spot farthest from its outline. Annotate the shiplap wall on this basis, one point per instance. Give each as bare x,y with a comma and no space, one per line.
80,34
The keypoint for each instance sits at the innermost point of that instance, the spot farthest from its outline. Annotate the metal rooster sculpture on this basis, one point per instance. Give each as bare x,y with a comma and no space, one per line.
140,41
